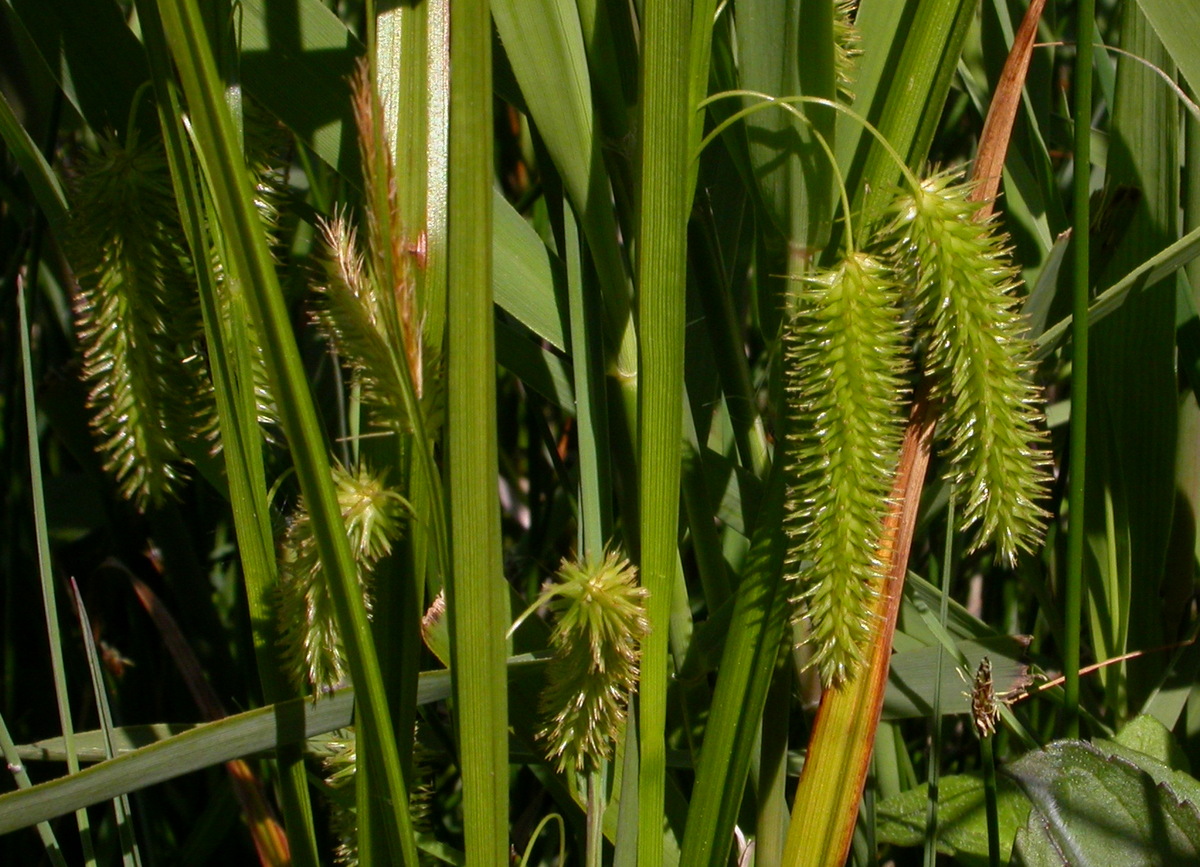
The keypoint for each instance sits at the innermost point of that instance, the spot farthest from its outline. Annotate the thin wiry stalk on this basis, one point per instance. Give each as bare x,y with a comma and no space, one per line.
1080,291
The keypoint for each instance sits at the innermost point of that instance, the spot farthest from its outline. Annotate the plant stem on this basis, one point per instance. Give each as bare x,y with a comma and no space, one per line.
987,757
1073,606
935,737
595,819
826,804
477,594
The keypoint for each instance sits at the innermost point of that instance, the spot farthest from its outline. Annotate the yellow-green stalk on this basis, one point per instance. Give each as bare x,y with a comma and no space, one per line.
965,292
845,356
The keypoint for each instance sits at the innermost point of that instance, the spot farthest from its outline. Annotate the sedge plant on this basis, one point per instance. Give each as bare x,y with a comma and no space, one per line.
683,281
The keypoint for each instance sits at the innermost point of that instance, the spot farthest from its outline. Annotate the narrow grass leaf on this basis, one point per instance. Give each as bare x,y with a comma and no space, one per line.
252,266
1148,275
130,853
45,575
13,759
477,595
662,272
752,647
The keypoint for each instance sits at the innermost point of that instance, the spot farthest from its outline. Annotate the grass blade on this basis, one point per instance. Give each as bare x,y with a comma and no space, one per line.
751,649
662,271
12,758
252,267
130,854
477,595
45,576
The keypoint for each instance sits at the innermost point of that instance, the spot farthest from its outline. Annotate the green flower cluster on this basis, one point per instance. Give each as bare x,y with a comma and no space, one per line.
846,352
601,621
979,359
846,345
374,516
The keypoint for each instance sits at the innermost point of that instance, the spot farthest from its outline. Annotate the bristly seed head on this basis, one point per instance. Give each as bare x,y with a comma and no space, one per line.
374,517
845,353
596,641
964,290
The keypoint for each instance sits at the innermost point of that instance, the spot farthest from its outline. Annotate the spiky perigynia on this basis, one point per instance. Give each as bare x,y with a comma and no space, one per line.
964,289
846,47
138,319
844,357
339,759
596,642
373,514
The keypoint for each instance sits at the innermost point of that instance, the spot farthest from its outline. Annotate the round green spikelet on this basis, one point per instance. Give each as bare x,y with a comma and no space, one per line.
374,516
968,310
844,354
594,670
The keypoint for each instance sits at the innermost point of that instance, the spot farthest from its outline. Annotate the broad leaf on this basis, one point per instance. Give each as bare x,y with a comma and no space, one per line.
1104,804
962,821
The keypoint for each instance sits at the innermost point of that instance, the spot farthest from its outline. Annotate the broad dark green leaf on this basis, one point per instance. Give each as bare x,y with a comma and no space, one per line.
1131,448
962,822
527,280
92,54
1096,805
302,48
